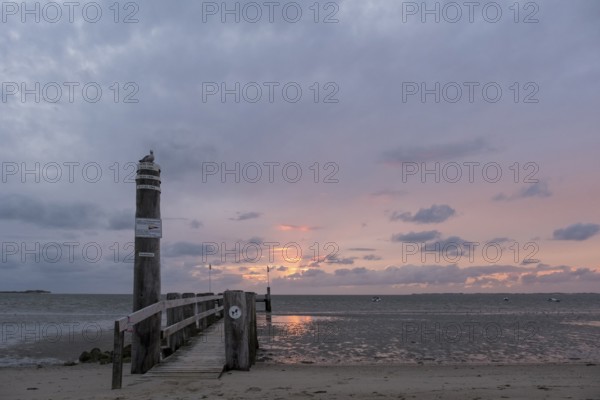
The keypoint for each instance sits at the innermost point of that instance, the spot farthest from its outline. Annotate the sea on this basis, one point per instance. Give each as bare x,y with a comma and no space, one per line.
43,329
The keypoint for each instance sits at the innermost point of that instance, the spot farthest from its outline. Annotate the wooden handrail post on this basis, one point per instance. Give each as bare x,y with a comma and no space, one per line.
188,311
117,374
174,315
202,307
213,305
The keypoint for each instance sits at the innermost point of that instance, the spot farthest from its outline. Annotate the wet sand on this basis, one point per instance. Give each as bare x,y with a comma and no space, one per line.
275,381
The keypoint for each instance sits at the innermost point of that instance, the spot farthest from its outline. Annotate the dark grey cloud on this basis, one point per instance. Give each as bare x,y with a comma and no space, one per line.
561,274
65,215
256,239
437,275
576,232
438,152
500,240
245,216
361,249
353,271
282,268
179,249
423,236
195,224
453,246
389,193
235,252
372,257
335,259
432,215
180,154
122,220
538,189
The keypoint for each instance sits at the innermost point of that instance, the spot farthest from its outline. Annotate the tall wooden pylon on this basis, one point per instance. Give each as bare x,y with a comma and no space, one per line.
146,273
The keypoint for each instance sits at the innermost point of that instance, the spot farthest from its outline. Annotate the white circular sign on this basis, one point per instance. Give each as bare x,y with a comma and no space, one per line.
235,312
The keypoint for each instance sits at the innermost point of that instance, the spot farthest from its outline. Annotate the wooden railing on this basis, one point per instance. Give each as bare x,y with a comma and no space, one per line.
182,313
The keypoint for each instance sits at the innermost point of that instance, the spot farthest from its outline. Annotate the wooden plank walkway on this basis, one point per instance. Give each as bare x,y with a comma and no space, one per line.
203,357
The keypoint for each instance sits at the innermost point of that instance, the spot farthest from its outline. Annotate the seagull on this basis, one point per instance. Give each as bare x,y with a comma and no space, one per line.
149,158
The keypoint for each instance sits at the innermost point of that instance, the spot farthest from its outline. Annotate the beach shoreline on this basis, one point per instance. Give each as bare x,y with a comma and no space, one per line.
319,381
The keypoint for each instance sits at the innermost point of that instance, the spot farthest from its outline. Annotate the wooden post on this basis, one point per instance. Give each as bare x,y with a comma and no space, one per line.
252,330
188,311
146,273
174,315
117,374
236,330
203,307
218,303
268,300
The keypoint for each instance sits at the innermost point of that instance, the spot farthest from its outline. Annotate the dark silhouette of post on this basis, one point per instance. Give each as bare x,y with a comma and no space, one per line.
268,300
252,326
146,273
268,295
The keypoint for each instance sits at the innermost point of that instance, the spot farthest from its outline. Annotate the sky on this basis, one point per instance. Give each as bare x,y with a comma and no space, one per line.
354,147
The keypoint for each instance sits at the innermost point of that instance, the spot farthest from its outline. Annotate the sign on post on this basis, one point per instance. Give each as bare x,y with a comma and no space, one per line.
148,228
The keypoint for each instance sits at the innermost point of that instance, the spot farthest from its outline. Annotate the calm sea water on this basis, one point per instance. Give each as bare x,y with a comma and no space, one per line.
427,328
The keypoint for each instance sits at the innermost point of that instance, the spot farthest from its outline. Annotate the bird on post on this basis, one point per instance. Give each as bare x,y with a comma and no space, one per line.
148,158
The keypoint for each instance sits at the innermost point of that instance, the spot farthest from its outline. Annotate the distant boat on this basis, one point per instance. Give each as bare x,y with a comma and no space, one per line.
375,299
553,299
506,299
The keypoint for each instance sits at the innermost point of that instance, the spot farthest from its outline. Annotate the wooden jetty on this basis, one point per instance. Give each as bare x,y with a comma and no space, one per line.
205,334
202,358
227,322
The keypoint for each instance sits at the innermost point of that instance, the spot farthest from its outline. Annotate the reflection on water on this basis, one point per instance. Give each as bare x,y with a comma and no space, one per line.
293,328
430,337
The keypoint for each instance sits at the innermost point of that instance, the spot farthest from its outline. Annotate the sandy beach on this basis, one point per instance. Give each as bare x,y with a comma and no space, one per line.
276,381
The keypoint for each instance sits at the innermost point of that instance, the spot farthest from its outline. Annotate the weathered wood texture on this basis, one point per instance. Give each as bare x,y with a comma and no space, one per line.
174,315
203,307
117,373
239,311
252,329
231,343
146,274
203,357
189,311
268,300
177,324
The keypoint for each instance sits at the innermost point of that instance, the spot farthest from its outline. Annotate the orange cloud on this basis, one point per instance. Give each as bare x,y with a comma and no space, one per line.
301,228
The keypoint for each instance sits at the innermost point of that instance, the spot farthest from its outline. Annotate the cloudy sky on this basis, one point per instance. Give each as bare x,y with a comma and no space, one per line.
372,147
